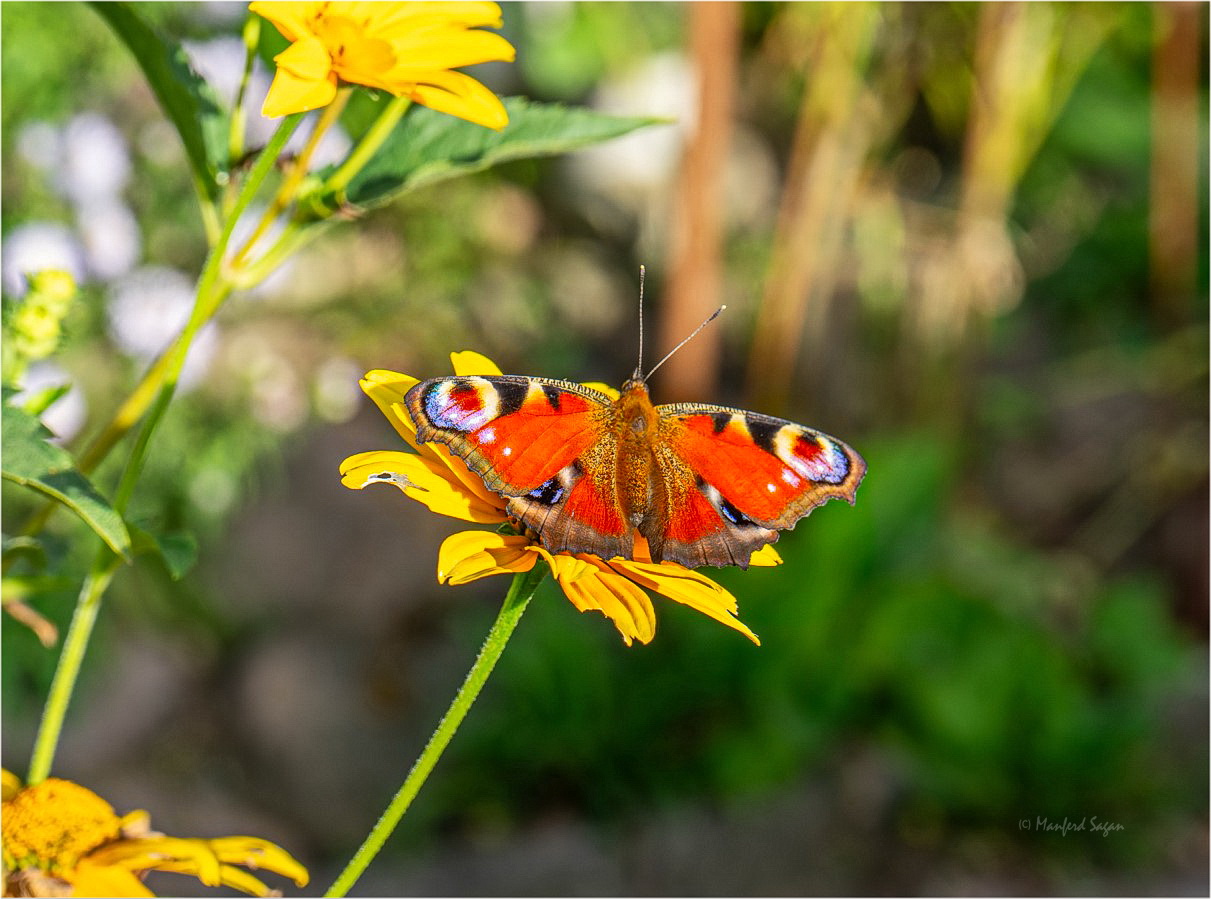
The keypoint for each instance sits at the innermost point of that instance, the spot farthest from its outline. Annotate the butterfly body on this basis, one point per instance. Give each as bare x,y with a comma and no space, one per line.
705,485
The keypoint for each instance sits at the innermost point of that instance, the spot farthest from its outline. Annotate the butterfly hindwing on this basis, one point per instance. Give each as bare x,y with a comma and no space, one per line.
531,440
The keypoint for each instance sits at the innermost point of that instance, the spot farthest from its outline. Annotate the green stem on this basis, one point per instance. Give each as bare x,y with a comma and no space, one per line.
68,668
367,146
298,170
292,238
235,133
155,393
520,593
213,288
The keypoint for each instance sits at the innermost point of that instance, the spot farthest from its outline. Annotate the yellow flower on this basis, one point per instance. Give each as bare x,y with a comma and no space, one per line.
61,839
406,49
431,475
37,322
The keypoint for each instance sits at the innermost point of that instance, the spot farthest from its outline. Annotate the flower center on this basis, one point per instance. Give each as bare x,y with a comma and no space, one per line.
52,824
352,51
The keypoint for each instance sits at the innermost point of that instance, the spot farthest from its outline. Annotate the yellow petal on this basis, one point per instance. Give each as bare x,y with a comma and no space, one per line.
291,19
289,94
469,362
766,557
91,879
462,476
387,389
228,876
155,853
425,480
402,16
11,784
445,46
593,585
687,587
253,852
470,555
565,567
306,59
244,882
135,824
461,95
207,860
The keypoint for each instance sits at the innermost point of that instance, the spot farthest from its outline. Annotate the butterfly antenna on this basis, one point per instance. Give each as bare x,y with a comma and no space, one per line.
639,367
714,315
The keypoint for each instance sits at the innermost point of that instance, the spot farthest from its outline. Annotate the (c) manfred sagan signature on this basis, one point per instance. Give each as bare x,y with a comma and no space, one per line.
1088,824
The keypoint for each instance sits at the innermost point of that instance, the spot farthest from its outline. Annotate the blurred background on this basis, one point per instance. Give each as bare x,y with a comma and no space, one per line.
968,239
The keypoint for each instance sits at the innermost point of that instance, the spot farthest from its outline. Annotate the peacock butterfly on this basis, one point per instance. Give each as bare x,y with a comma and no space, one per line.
706,485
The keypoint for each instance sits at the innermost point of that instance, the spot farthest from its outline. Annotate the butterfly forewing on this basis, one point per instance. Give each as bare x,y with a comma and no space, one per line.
540,443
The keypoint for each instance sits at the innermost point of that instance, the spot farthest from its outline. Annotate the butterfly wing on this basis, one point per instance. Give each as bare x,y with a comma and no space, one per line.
541,444
740,477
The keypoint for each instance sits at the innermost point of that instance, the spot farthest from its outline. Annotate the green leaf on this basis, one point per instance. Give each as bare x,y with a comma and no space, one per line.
189,102
429,146
31,461
178,550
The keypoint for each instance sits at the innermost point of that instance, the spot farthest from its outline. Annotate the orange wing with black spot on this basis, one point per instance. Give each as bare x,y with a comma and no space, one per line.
527,438
754,475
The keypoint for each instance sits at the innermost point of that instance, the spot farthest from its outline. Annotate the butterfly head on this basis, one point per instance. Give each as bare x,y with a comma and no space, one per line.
635,405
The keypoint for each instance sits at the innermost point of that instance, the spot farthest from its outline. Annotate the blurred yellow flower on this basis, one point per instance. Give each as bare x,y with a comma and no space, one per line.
406,49
36,323
432,476
61,839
